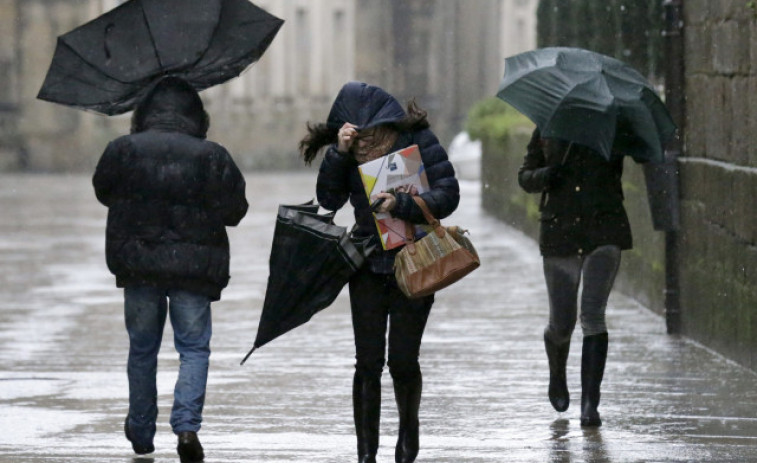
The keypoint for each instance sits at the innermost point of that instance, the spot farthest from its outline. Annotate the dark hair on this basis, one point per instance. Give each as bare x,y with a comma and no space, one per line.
320,135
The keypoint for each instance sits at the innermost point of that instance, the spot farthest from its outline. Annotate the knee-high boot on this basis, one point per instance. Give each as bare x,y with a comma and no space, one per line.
366,402
557,355
407,393
593,359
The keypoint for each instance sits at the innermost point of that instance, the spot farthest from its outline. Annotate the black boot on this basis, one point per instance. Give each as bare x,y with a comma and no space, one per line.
557,355
593,359
189,448
138,448
366,402
407,393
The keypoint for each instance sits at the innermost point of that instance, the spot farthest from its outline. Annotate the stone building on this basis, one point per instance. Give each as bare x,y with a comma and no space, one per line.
445,53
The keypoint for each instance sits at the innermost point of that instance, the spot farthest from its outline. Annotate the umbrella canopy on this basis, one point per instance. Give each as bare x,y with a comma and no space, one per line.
590,99
311,261
106,64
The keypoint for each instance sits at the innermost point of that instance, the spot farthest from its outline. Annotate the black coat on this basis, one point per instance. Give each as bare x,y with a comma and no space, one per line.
582,205
170,194
339,179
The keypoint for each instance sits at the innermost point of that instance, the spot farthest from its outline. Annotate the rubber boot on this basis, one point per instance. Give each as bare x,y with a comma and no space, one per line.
366,402
593,359
557,355
407,393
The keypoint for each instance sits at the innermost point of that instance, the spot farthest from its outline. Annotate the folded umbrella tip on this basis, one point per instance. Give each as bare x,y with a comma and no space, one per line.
248,355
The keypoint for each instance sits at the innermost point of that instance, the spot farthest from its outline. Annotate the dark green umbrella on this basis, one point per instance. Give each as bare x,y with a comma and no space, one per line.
590,99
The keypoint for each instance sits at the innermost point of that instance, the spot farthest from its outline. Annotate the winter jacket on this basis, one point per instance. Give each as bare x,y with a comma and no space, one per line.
582,197
339,179
170,194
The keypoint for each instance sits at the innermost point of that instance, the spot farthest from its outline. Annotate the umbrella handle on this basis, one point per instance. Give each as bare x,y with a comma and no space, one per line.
248,355
567,152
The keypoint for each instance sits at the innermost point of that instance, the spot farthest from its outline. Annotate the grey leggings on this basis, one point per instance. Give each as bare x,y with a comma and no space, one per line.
563,276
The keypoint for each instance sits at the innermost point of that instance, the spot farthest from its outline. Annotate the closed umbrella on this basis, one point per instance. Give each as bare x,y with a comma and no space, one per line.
311,260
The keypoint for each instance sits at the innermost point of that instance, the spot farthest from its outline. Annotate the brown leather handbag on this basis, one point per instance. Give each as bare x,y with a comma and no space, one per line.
435,261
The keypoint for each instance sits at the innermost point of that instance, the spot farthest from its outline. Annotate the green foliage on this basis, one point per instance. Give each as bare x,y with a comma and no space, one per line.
494,119
752,6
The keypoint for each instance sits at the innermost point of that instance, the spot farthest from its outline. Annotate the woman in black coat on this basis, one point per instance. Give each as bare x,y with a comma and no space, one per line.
583,229
170,196
365,123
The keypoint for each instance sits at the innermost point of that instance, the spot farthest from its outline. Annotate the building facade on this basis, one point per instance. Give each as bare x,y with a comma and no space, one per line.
445,53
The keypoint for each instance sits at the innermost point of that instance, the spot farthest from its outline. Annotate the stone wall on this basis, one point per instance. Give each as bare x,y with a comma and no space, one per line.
718,175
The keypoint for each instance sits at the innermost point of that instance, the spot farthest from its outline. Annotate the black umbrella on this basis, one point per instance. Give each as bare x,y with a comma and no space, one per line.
588,98
311,261
106,64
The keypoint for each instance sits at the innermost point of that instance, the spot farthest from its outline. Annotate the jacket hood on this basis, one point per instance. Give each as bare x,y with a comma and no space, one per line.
172,105
365,106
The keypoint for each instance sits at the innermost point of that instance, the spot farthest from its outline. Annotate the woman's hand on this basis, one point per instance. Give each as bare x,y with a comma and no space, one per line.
389,202
346,137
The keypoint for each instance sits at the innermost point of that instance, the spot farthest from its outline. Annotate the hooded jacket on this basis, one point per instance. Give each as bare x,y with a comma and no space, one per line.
170,194
339,180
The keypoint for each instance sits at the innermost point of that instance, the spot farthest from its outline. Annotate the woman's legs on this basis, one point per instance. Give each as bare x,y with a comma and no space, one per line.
562,275
408,319
369,318
375,301
599,271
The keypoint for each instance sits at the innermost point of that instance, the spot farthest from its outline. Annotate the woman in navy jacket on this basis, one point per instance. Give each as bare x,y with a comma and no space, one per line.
365,123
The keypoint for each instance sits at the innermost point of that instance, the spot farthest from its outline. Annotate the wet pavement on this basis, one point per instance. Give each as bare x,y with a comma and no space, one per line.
63,391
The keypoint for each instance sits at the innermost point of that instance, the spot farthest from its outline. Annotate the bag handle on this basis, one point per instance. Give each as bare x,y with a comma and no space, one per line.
433,221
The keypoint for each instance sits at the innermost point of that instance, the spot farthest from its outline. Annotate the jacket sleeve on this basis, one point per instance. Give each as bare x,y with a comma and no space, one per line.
107,172
533,175
332,187
444,191
233,203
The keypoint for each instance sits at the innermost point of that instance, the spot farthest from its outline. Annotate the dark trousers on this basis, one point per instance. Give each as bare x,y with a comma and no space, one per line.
376,300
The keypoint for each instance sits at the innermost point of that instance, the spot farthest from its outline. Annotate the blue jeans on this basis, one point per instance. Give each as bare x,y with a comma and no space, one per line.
563,276
145,310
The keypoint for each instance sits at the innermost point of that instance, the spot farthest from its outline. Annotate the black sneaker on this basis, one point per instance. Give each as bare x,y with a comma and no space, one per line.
138,449
189,448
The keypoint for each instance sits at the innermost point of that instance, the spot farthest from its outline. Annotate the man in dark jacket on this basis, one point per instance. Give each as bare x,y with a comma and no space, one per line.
170,194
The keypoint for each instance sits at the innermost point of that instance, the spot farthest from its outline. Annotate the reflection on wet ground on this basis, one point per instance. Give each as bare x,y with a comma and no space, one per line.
63,352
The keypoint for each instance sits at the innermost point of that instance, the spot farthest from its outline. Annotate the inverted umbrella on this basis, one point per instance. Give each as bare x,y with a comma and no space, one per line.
106,64
311,261
590,99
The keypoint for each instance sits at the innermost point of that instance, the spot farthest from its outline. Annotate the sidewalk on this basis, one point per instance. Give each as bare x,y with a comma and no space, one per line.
63,391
